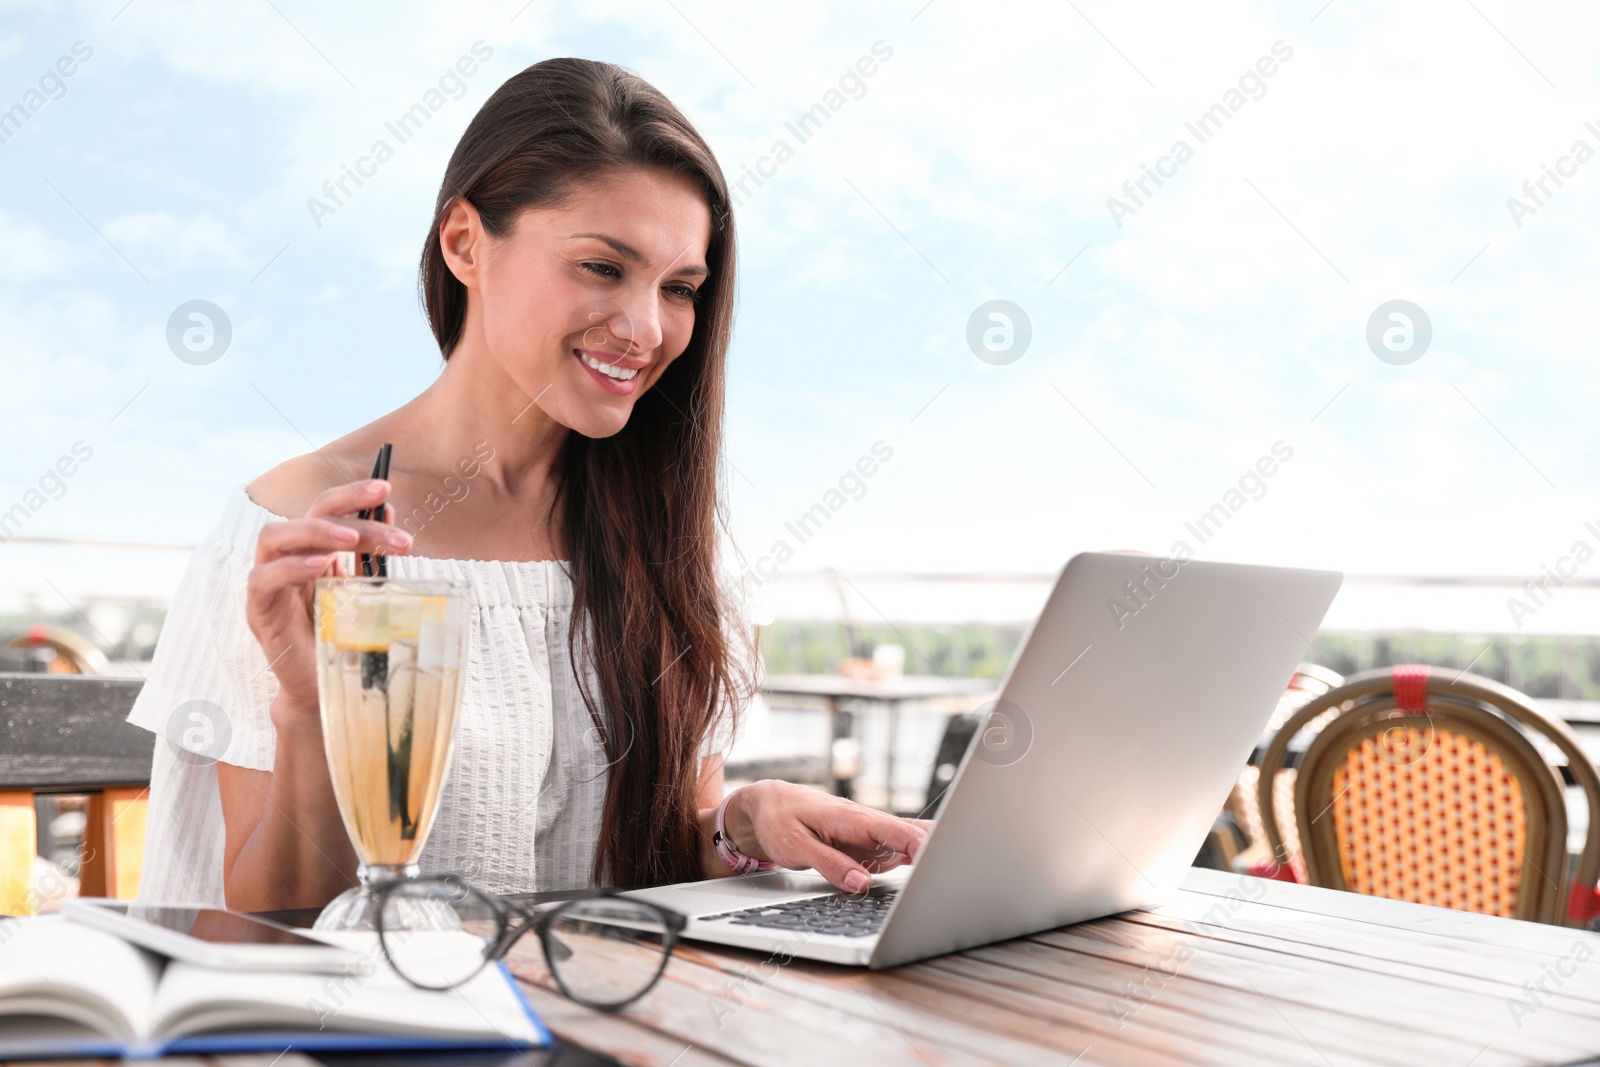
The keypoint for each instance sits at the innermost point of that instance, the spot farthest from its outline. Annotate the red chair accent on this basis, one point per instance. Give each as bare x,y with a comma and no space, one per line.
1583,904
1275,871
1411,687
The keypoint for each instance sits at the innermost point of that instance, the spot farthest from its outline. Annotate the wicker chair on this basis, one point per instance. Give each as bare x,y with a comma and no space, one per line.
1422,787
63,651
1308,682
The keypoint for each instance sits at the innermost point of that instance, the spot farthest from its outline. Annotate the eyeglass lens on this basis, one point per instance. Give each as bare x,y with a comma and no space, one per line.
438,933
606,951
603,951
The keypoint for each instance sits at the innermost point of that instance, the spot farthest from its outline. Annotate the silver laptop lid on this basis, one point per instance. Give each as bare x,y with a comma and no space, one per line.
1124,719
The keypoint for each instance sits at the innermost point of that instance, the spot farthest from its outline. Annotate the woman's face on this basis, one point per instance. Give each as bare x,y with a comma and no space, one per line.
584,306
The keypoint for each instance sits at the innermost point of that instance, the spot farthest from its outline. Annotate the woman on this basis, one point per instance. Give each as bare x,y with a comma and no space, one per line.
578,277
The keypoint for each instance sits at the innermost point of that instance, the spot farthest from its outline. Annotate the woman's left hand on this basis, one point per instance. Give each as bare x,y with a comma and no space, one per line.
797,827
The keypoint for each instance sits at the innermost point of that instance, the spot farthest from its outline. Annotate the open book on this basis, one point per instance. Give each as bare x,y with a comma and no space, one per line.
68,989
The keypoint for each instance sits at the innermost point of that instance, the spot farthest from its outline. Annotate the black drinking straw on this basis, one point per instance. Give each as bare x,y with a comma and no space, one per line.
380,469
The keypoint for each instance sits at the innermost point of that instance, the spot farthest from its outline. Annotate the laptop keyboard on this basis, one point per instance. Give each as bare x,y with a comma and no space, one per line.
844,916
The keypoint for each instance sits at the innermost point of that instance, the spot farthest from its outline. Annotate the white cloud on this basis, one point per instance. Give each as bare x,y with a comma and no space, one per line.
159,237
29,252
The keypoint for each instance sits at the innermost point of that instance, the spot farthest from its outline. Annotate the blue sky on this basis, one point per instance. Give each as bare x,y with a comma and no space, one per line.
1169,353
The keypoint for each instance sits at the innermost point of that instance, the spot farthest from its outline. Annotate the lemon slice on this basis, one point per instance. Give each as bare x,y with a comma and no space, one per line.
405,615
433,608
361,624
372,621
326,614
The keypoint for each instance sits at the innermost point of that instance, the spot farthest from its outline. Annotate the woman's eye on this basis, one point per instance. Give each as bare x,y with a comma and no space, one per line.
608,271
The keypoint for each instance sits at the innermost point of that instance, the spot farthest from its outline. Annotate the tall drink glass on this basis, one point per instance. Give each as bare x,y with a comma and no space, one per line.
391,653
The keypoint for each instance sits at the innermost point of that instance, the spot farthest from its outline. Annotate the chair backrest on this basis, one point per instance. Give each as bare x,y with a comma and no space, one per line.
67,733
60,649
1421,787
959,730
1308,682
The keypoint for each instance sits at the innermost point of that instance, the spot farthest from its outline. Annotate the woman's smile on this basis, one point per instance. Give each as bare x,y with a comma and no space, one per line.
615,374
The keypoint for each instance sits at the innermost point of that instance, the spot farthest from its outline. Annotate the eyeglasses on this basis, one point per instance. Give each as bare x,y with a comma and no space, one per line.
604,951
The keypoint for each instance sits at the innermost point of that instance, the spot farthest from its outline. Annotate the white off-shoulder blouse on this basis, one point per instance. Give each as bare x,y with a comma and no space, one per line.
521,806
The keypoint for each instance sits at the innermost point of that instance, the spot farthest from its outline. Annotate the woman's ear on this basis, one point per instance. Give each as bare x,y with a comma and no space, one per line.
462,241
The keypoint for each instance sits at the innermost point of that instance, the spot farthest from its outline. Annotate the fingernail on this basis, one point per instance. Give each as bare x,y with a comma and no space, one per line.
347,535
374,486
857,881
316,563
399,539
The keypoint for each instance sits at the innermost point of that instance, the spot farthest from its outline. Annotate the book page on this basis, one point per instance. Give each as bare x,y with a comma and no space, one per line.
94,980
371,999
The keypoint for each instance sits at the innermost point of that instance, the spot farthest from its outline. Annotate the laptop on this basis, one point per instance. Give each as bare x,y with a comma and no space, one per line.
1118,731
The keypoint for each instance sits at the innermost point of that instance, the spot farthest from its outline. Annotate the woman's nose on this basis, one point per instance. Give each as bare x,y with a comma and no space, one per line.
639,322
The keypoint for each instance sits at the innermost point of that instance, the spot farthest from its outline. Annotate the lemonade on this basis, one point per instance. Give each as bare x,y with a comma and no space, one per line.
390,654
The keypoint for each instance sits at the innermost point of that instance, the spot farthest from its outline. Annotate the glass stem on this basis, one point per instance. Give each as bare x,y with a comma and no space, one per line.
372,873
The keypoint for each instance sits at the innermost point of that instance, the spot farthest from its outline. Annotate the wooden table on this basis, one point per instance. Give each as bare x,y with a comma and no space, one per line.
1234,971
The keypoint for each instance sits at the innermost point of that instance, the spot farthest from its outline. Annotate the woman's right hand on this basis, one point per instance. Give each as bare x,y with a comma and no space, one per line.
290,556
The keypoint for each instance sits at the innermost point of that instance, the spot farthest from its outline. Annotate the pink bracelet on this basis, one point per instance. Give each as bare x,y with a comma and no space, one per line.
728,851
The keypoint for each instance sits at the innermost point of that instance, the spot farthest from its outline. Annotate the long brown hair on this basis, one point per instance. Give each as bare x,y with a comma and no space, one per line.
640,509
